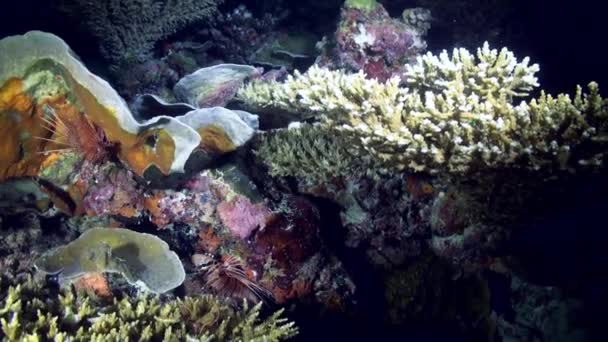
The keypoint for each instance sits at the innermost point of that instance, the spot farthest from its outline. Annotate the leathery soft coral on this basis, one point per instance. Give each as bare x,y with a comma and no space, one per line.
447,113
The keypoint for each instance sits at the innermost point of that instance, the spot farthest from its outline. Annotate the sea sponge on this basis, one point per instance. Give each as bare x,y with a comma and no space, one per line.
143,259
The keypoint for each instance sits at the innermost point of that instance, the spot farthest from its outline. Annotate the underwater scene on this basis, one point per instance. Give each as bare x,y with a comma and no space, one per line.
313,170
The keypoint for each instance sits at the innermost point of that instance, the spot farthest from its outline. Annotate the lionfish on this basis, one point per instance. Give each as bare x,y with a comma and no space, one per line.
228,277
74,132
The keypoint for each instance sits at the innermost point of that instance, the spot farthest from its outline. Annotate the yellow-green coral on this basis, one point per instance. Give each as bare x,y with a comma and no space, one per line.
326,155
32,311
143,259
449,113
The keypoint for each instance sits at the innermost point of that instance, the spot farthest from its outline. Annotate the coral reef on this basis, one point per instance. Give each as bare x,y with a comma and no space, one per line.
287,50
468,23
275,255
32,311
127,30
363,5
242,217
457,114
143,259
107,189
393,188
327,155
154,76
232,37
419,18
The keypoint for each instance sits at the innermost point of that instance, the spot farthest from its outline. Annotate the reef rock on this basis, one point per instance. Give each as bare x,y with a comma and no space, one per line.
368,39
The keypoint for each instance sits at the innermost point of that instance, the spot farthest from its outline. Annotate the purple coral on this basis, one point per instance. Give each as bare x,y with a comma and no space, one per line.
372,41
242,217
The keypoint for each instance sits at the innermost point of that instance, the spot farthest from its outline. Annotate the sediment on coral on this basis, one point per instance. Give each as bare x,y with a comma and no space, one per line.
454,113
32,310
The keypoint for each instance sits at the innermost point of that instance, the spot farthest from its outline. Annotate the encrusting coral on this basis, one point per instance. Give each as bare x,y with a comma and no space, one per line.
449,113
34,311
128,29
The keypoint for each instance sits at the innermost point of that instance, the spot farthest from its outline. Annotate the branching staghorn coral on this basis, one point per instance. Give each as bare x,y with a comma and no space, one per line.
128,29
326,156
33,311
449,113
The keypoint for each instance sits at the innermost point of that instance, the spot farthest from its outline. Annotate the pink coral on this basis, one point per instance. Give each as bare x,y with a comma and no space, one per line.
242,217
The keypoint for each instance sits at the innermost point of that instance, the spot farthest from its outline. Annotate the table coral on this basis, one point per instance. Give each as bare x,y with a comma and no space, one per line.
449,113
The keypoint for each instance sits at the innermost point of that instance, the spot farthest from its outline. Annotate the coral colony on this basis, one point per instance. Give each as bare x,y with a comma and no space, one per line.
227,171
